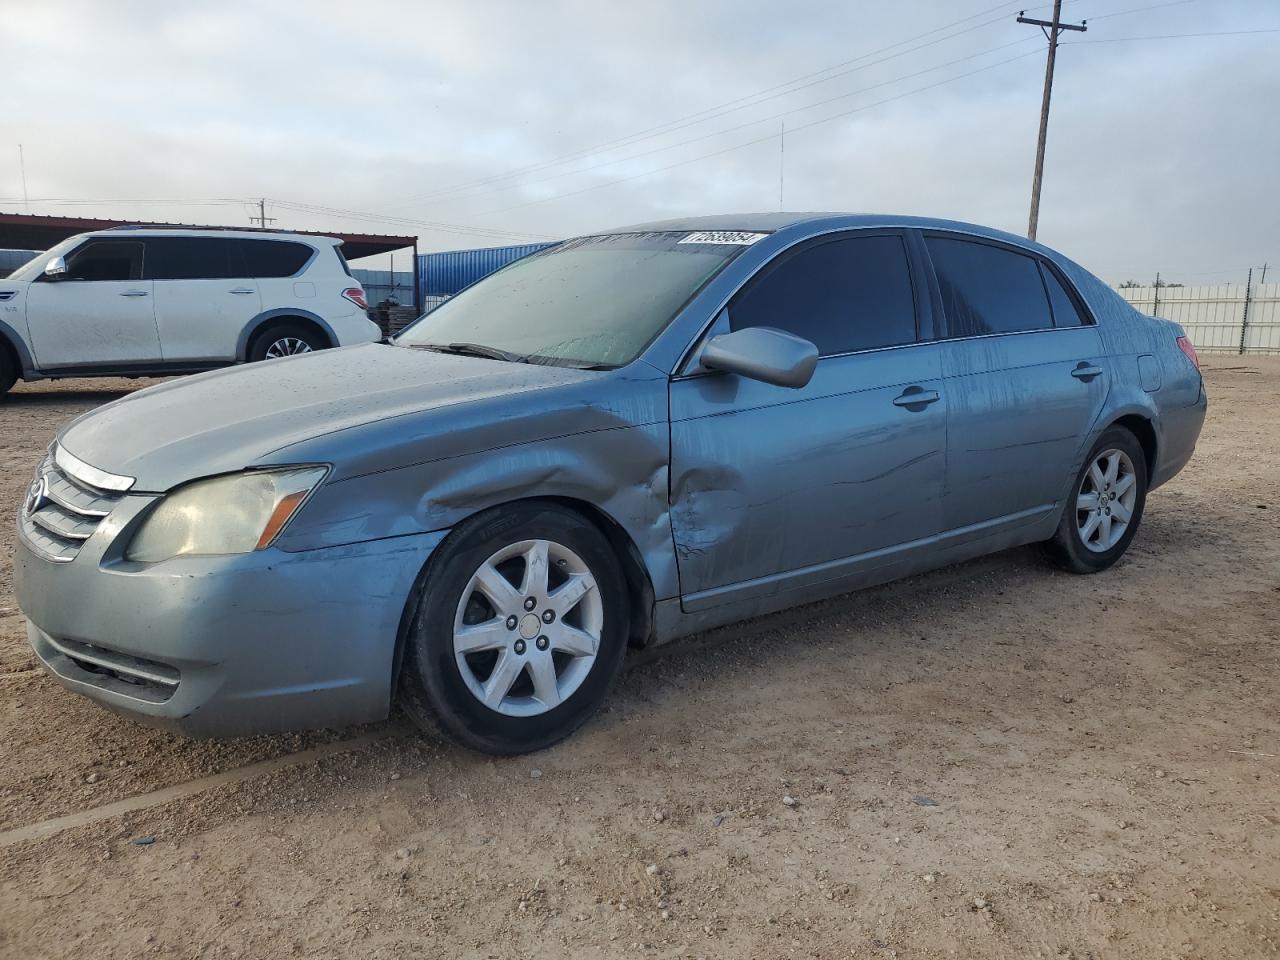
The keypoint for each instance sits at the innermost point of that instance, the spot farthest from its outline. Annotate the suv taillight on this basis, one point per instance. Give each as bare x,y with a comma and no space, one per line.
1185,345
356,296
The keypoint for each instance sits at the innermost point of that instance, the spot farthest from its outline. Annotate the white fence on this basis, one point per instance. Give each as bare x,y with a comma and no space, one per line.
1223,319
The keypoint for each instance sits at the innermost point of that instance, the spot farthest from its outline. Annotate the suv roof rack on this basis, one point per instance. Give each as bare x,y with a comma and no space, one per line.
186,226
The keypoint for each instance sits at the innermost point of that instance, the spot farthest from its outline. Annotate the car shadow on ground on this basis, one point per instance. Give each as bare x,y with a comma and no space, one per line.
39,398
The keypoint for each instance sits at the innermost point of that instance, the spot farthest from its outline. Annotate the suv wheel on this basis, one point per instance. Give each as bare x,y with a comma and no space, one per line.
285,340
520,630
1105,506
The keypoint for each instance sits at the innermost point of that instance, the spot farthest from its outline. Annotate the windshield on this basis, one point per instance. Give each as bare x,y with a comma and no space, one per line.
595,301
35,266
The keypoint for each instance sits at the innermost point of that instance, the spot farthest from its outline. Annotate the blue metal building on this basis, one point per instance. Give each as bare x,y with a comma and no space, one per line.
444,274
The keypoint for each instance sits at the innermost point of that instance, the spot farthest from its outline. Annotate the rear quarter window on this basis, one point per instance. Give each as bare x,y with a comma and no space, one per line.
274,258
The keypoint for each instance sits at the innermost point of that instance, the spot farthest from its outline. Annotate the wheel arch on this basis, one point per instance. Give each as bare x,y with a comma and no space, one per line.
267,318
14,348
640,592
1142,428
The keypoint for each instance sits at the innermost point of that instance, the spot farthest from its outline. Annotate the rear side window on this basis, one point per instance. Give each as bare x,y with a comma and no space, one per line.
987,289
192,258
106,260
346,267
1065,312
842,295
274,258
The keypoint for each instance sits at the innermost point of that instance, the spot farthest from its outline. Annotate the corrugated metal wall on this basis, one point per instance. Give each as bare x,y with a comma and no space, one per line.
380,285
444,274
1214,317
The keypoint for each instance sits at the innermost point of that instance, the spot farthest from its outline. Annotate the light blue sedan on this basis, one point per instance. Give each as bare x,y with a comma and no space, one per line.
619,440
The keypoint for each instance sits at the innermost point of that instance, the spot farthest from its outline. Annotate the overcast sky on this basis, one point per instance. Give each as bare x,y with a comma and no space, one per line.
1162,154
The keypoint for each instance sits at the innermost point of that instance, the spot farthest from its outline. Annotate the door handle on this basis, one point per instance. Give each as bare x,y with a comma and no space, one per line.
241,290
133,293
1086,371
916,397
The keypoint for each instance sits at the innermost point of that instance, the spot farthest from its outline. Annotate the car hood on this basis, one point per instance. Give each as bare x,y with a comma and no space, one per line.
279,410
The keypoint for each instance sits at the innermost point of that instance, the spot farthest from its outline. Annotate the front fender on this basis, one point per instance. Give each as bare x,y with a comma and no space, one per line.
622,472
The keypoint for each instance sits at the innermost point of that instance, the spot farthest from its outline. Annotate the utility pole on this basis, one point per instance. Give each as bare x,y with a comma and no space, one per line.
1055,27
1264,274
262,219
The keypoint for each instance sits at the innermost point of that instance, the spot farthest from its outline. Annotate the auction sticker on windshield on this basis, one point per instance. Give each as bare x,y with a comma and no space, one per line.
736,237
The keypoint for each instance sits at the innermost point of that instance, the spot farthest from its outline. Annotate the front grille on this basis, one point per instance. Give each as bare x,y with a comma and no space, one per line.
61,512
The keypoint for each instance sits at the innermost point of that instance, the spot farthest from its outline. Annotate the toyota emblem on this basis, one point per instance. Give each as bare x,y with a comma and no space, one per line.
37,495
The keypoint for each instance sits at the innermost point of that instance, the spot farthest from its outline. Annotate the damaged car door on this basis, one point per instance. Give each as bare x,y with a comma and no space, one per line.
792,493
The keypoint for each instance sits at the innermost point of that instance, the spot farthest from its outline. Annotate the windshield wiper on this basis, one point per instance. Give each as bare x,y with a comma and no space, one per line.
497,353
475,350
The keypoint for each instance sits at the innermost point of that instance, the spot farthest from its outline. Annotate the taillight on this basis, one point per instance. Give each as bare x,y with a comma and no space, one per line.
356,296
1185,345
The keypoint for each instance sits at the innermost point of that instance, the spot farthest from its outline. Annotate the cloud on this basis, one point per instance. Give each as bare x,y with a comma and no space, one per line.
1159,152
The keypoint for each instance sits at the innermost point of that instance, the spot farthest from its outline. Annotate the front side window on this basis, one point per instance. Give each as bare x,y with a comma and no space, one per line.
106,260
192,258
987,289
273,258
842,295
594,301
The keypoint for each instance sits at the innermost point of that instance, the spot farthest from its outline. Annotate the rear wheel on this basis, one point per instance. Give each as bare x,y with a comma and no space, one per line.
520,630
1102,513
285,340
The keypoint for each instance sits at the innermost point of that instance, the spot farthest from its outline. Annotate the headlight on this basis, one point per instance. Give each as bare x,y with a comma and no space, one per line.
238,513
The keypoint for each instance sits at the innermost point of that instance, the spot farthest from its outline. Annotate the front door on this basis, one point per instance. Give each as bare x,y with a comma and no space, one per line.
793,491
99,313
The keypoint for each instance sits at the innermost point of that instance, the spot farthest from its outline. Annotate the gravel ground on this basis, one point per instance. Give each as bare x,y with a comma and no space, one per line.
994,760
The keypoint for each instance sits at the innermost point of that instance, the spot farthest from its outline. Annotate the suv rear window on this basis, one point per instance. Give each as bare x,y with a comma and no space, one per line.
274,258
192,258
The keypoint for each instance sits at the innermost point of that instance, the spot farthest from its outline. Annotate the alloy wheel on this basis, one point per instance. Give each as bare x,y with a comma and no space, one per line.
527,628
287,347
1106,499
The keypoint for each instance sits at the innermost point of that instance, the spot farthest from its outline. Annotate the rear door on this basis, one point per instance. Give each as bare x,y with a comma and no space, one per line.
203,298
1025,378
100,313
278,267
794,491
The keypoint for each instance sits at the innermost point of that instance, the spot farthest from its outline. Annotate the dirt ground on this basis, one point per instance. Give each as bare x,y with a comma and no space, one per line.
995,760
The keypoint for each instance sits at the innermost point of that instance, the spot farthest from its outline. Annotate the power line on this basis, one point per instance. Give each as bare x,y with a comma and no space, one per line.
776,116
461,229
1154,6
1178,36
760,96
748,143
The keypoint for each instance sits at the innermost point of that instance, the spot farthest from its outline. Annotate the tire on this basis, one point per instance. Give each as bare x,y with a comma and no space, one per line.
285,339
1087,540
442,684
8,371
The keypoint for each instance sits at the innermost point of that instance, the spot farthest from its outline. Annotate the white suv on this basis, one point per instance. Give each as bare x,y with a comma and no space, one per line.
136,301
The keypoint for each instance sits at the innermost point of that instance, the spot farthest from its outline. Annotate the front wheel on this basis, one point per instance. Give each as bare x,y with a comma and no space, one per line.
1105,506
520,630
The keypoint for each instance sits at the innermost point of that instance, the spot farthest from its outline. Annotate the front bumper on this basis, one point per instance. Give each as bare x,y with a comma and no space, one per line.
224,646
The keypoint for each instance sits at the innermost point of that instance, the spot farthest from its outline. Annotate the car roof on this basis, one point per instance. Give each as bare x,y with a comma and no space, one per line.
772,222
131,231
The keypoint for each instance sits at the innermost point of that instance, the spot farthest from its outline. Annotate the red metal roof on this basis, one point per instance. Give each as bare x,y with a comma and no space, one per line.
25,231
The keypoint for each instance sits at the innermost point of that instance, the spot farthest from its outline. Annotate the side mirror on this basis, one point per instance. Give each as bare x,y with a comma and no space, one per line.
56,269
763,353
